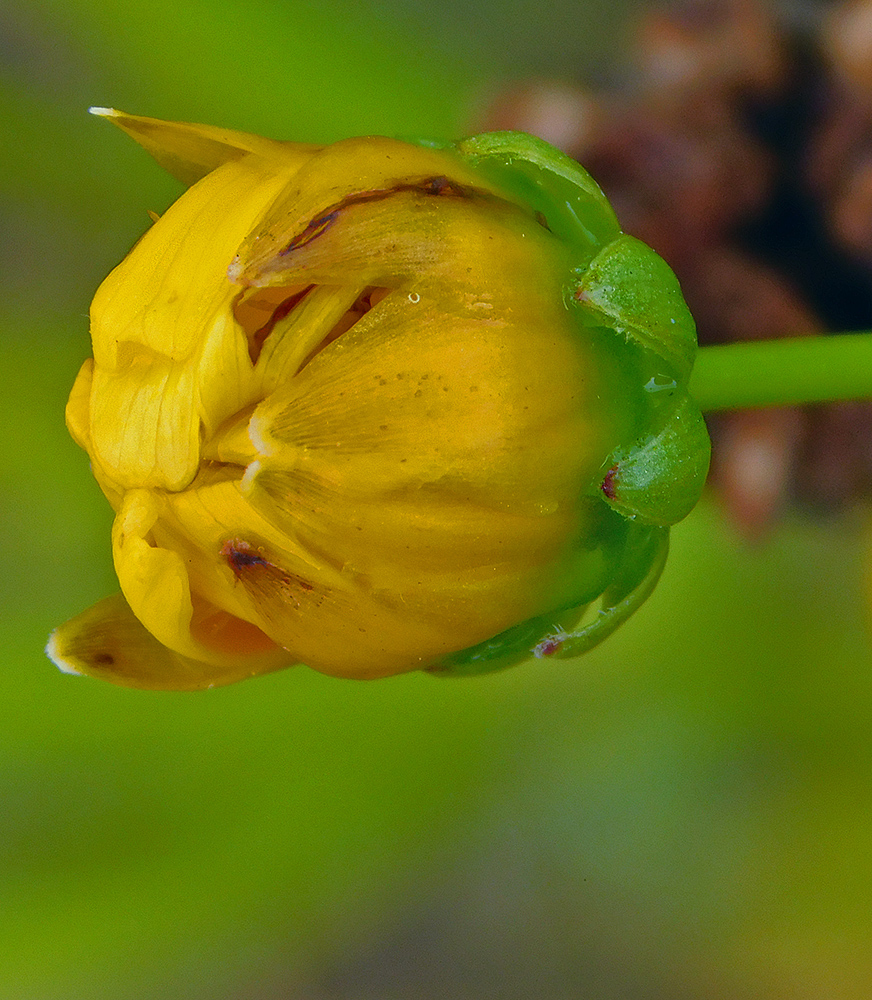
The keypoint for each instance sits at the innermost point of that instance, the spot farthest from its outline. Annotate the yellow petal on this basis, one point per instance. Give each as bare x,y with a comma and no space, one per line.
383,182
225,378
154,579
109,642
309,325
166,346
166,293
78,411
144,423
424,390
78,416
189,151
321,612
197,524
399,460
156,583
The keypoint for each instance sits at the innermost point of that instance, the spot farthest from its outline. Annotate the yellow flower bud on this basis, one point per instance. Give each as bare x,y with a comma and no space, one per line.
347,415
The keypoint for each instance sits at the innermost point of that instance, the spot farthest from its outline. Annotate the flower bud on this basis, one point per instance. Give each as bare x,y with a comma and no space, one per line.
377,407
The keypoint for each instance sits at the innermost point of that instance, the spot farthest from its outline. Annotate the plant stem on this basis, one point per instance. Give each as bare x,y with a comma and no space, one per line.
755,374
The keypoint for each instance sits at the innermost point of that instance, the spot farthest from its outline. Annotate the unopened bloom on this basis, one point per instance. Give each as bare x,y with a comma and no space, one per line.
377,407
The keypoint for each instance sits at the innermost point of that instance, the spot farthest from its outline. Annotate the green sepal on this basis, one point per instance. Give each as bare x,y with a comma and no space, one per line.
661,481
629,288
637,576
552,184
560,635
507,649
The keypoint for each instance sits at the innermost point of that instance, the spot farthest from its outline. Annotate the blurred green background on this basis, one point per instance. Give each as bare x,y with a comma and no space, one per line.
685,813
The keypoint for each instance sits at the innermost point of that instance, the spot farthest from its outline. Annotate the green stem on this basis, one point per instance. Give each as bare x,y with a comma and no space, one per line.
797,370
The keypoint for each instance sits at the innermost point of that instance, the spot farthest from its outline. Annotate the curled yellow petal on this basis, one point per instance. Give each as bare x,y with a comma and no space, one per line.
168,356
78,411
157,584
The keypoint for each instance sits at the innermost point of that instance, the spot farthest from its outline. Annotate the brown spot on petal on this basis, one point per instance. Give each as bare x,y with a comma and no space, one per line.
312,231
241,556
274,589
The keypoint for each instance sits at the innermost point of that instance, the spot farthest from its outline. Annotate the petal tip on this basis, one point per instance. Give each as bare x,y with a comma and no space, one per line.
104,112
54,654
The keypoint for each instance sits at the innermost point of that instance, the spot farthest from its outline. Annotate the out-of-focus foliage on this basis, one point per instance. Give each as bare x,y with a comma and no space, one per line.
693,797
